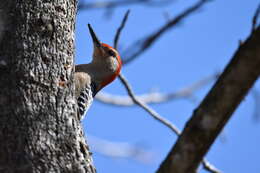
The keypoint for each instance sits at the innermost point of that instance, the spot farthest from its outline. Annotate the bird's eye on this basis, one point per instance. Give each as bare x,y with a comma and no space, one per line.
111,53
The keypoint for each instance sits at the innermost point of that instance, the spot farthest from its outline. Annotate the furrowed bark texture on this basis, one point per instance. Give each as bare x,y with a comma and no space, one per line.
215,110
39,131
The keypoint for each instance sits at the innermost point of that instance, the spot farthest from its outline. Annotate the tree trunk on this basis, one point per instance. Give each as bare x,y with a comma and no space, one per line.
39,131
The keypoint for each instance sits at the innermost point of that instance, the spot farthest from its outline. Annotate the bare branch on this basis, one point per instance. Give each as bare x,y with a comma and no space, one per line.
152,112
256,15
140,46
121,150
120,29
206,165
114,4
154,97
216,109
209,167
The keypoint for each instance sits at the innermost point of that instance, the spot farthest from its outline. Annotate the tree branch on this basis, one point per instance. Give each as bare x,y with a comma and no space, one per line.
152,112
140,46
114,4
206,165
154,97
121,150
118,32
256,15
216,109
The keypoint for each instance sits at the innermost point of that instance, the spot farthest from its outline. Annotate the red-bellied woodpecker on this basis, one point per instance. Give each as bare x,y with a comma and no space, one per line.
91,78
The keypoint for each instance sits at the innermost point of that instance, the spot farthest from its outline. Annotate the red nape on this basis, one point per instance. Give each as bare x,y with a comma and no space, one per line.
106,45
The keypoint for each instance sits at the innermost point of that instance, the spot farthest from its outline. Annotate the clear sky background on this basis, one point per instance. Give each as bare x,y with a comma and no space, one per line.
200,46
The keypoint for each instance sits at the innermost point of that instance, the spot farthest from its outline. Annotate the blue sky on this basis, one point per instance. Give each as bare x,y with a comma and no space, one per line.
199,47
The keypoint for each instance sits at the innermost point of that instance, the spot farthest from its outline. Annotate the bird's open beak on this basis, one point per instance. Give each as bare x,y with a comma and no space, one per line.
96,41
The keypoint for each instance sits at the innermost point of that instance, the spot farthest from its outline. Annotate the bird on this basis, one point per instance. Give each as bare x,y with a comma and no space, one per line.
92,77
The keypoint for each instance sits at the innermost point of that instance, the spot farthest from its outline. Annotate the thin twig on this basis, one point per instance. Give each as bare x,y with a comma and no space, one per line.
254,21
118,33
152,112
209,167
155,97
114,4
140,46
121,150
206,165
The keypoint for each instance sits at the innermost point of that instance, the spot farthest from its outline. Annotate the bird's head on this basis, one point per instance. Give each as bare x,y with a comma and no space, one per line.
106,59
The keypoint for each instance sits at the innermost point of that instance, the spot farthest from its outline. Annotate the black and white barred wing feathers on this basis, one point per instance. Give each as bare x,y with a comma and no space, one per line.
84,100
85,92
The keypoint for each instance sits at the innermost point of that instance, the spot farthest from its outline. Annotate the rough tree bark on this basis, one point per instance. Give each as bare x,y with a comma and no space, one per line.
39,131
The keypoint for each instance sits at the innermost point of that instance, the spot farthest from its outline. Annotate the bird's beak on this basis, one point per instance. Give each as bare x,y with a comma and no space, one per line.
95,40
